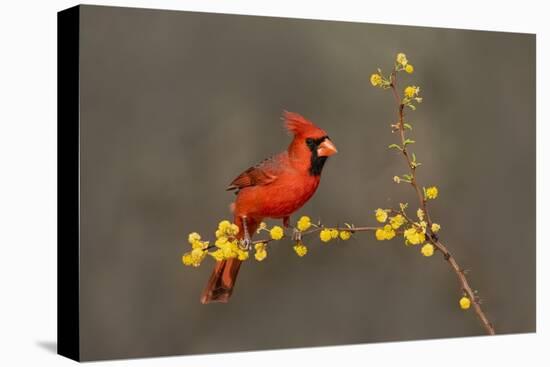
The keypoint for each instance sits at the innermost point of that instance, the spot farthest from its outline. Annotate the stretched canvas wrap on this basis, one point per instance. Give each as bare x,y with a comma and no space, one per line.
233,183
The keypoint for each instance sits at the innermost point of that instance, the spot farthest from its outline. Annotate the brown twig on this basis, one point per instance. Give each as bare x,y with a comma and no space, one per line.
319,228
432,237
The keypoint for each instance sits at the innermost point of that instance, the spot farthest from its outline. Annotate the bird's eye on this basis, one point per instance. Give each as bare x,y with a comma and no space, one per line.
310,142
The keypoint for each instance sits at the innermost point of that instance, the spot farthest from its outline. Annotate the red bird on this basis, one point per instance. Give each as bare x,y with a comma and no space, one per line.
274,188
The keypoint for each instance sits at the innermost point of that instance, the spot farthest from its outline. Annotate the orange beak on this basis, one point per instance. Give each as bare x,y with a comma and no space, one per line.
326,149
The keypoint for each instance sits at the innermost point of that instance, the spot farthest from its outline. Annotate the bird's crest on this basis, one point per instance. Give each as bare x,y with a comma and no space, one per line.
299,125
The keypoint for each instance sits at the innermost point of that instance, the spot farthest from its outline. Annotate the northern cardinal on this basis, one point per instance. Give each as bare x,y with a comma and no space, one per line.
274,188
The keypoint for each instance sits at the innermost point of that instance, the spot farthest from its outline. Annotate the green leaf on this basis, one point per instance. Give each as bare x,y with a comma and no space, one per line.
411,106
394,146
408,126
408,141
414,157
407,177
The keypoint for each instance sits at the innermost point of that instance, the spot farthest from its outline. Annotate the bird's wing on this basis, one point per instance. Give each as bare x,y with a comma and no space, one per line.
263,173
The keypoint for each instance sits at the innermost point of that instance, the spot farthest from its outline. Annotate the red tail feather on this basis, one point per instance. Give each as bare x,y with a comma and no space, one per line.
222,281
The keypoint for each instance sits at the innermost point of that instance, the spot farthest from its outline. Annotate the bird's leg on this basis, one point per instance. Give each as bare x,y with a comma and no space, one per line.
286,221
246,240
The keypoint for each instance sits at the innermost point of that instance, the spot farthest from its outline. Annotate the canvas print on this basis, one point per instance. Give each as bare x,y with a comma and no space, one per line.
238,183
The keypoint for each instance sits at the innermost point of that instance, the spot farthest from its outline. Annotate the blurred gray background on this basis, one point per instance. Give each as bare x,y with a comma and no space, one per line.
174,105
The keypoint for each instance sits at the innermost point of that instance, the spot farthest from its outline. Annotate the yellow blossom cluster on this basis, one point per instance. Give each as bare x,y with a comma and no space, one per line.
261,251
328,234
345,235
388,231
431,192
300,249
381,215
198,250
403,64
226,229
416,234
376,80
227,245
276,233
304,223
397,221
411,91
385,233
427,250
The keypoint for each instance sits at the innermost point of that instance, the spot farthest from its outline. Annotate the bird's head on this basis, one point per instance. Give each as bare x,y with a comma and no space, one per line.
311,145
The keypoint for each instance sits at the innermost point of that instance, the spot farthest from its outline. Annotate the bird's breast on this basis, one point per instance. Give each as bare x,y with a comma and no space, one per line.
279,199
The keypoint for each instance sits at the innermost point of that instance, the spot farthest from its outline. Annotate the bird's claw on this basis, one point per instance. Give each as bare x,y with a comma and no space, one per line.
246,244
296,235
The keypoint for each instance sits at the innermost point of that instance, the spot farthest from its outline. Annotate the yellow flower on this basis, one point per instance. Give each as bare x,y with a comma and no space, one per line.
226,228
427,250
465,303
276,233
435,227
187,259
228,252
420,214
345,235
224,225
397,221
300,249
389,233
375,80
217,255
304,223
233,230
220,242
242,255
385,233
199,245
193,258
396,179
414,236
381,215
411,91
325,235
193,237
261,252
409,69
401,59
432,192
334,233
